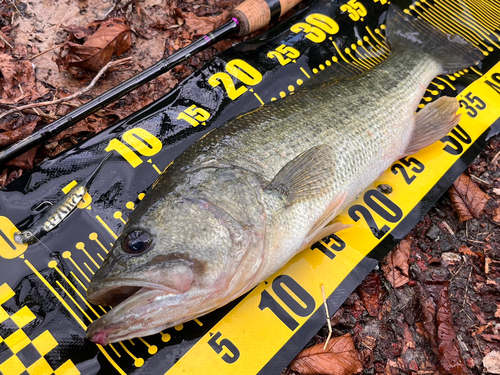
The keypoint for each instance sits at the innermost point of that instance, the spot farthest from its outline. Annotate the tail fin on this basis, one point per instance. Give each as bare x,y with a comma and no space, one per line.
452,51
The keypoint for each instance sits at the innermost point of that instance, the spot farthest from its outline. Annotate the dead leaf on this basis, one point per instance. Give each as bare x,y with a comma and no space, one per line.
17,80
408,337
395,265
448,351
491,362
468,199
339,358
490,338
496,216
203,25
26,160
465,250
11,136
112,37
370,291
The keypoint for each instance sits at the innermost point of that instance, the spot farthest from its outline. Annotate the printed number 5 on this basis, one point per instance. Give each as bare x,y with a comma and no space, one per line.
224,343
355,8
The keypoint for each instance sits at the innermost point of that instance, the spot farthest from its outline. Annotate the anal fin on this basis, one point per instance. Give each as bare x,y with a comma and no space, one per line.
432,123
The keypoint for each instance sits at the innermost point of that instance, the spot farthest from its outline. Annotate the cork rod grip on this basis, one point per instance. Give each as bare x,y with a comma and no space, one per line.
255,14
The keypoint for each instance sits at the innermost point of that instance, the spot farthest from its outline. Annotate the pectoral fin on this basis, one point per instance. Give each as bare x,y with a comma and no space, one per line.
432,123
308,175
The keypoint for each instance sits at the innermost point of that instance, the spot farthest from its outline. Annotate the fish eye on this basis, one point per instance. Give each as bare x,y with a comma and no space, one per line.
136,242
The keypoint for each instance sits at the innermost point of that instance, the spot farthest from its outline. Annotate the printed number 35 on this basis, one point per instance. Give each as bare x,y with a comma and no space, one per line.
355,8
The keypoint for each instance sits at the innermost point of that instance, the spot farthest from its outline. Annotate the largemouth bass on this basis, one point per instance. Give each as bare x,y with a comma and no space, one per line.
241,202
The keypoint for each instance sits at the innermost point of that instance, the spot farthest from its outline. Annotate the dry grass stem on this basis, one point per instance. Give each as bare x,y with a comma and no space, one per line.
327,317
111,64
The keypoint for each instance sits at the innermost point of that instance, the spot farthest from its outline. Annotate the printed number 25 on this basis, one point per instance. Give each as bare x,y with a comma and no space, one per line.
288,52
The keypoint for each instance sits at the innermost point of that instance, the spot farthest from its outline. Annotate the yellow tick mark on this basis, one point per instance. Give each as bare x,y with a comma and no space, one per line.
118,215
165,337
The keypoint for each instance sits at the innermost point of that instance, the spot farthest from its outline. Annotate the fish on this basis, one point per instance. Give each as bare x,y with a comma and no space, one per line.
239,203
59,211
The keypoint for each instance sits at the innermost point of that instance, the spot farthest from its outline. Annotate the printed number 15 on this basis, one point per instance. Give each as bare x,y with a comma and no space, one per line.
193,115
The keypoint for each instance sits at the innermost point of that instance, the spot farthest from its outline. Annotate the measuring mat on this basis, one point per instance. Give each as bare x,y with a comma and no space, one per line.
43,310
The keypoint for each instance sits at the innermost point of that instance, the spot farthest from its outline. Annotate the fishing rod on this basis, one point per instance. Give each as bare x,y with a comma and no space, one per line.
249,16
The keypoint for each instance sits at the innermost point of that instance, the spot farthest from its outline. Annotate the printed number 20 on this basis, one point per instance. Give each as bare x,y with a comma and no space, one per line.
240,70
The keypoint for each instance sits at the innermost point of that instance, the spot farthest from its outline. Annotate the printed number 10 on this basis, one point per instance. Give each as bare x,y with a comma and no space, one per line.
143,141
303,305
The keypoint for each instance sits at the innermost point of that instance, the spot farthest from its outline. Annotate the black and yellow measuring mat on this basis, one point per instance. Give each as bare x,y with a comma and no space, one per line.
43,311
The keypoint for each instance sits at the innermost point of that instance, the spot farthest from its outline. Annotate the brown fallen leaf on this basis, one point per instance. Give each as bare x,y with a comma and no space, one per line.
203,25
496,217
17,80
395,265
11,136
24,161
339,358
370,292
112,37
490,338
465,250
468,199
448,353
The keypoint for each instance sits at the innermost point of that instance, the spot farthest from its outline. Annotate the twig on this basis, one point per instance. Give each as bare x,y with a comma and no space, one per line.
467,287
495,157
327,317
477,178
15,6
5,41
111,64
445,224
47,50
456,273
42,114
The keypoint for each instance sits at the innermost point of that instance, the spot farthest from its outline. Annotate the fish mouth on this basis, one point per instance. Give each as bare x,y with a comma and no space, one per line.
132,306
115,291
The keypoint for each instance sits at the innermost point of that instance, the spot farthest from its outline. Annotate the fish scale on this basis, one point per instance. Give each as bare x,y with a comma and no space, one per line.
241,202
